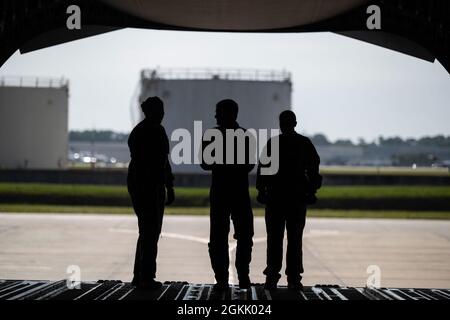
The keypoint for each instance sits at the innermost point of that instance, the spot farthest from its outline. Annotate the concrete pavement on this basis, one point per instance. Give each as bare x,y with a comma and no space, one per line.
409,253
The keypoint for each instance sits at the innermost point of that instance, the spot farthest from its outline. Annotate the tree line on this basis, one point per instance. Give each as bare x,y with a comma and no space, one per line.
97,136
318,139
429,141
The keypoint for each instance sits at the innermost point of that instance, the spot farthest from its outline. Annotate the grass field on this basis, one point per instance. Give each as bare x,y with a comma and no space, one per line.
26,208
349,201
388,171
355,192
334,170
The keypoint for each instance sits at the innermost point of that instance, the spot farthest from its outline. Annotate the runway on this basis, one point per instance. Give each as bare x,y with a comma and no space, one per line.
405,253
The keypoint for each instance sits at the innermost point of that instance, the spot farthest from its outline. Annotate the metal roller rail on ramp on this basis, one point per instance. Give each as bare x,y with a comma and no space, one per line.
118,290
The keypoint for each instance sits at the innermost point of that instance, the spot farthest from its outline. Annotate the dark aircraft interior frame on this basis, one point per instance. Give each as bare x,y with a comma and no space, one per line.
420,28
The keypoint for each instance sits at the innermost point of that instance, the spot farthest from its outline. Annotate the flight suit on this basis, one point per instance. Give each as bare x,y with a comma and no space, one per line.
230,198
149,174
288,192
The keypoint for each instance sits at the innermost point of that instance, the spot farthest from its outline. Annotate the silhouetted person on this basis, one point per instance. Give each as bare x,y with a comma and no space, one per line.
286,195
229,197
149,174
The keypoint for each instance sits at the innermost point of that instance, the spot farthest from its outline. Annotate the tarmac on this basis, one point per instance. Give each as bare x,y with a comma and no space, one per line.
346,252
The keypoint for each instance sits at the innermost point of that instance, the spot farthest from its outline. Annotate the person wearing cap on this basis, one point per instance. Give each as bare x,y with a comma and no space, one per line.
150,185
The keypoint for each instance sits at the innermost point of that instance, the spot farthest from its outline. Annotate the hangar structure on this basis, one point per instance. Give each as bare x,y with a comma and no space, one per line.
420,28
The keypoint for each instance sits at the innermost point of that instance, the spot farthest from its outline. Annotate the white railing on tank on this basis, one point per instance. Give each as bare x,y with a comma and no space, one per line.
33,82
216,73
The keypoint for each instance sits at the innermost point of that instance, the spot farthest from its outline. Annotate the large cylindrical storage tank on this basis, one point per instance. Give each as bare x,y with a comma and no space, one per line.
33,123
191,95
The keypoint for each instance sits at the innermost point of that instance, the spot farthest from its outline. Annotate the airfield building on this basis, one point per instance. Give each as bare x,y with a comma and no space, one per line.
33,123
191,95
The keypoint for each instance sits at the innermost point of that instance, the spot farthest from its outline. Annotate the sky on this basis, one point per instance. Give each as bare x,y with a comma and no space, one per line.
342,87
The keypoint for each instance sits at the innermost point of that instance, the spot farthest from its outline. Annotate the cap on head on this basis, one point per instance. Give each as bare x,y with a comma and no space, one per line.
153,108
226,112
288,121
